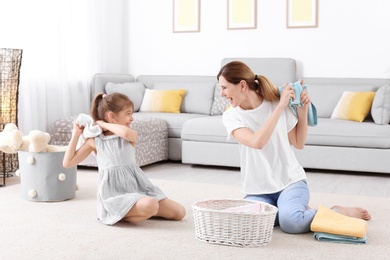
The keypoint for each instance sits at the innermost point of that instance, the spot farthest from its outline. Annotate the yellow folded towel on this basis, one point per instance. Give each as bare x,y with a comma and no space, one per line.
329,221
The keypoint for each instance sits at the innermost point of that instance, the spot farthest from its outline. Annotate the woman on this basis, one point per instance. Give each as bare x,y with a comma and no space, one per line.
265,127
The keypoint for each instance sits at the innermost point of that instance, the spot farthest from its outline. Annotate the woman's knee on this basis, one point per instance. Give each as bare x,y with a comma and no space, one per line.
292,227
294,223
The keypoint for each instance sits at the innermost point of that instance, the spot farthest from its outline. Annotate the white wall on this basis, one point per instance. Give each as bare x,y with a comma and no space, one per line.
352,39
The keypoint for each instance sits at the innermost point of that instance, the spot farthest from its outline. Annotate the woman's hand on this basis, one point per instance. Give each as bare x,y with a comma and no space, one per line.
286,94
305,99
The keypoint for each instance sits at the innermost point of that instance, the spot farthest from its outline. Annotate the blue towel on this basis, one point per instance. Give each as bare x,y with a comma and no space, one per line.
326,237
312,112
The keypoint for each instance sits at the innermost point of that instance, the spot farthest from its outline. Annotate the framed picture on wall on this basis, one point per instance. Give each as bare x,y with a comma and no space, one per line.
186,16
302,13
241,14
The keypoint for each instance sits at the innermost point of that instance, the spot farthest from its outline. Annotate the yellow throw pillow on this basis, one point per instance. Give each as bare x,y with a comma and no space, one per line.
353,106
156,100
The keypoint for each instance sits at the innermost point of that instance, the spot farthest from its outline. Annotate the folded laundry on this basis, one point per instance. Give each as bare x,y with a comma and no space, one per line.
331,222
312,112
325,237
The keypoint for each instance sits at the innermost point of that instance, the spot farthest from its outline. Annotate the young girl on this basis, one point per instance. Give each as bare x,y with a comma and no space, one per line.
265,128
124,192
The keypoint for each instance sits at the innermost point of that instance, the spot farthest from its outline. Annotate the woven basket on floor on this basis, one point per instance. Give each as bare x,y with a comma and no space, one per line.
220,222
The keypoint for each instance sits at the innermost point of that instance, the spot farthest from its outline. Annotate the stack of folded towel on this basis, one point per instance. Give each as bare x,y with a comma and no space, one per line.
330,226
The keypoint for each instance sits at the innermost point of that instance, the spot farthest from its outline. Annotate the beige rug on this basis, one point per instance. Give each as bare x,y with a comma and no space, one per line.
70,230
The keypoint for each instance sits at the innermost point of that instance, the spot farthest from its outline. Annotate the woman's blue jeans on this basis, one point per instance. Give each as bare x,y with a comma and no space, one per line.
293,216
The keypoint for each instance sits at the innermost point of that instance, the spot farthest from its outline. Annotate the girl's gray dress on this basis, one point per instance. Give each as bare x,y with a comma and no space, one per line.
121,181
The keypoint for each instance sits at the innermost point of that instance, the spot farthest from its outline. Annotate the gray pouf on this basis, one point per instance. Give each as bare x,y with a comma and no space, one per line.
43,178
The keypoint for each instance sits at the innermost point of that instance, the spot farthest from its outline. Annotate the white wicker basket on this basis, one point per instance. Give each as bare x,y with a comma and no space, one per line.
234,222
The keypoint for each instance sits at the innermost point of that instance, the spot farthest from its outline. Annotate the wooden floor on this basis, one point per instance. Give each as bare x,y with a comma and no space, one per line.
351,183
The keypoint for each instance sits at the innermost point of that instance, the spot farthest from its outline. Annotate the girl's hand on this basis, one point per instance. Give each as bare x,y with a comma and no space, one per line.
77,130
287,94
101,123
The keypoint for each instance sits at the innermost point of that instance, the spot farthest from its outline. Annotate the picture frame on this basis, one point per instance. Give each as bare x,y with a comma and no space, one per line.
302,13
241,14
186,16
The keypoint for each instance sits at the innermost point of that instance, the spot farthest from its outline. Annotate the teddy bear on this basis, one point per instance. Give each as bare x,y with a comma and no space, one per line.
39,142
12,140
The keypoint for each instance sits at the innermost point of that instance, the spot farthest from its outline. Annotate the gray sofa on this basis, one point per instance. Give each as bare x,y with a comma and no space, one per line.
342,144
196,135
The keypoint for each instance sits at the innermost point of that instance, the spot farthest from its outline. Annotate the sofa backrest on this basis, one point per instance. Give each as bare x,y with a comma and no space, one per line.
203,93
326,92
100,80
200,90
278,70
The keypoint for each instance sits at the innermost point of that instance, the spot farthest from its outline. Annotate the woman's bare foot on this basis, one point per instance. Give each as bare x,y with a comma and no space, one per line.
353,212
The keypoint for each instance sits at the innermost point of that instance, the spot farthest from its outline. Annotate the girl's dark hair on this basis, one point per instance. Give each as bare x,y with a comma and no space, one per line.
114,102
236,71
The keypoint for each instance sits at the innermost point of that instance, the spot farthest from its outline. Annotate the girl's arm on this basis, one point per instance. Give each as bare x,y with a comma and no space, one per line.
120,130
72,156
297,136
259,138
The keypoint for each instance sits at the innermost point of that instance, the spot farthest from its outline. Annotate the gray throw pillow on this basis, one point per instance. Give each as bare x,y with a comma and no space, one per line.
220,103
134,90
380,110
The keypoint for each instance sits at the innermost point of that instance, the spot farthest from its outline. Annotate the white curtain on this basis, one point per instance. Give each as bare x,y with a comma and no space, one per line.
64,44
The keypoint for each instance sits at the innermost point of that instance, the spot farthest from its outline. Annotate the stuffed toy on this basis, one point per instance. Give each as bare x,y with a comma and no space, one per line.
12,140
39,142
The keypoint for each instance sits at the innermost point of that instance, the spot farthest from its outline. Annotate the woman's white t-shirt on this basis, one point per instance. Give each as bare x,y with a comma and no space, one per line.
274,167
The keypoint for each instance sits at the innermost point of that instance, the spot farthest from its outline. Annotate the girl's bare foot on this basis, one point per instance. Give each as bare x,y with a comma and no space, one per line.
353,212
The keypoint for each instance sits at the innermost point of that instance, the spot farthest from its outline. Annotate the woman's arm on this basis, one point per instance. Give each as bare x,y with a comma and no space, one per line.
259,138
120,130
297,136
72,156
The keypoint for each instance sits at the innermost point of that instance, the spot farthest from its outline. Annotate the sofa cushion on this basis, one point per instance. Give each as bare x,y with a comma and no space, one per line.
353,106
195,130
346,133
168,101
198,98
326,92
219,103
134,90
100,80
328,132
380,110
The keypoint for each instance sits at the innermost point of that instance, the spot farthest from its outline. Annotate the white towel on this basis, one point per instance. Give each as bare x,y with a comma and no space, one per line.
90,130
